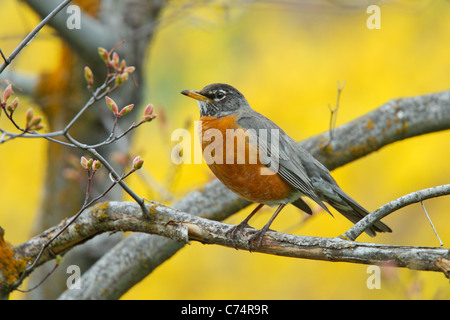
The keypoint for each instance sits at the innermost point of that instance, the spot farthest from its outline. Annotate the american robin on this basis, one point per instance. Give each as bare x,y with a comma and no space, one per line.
223,109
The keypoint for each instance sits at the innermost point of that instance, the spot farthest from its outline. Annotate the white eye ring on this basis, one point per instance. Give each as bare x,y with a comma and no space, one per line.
219,95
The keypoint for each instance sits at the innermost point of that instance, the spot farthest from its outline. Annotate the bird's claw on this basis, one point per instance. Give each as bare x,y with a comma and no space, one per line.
231,233
255,240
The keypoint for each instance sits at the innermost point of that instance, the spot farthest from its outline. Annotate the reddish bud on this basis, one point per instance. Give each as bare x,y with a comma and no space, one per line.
7,93
103,54
84,163
123,65
115,60
148,109
119,81
129,69
15,102
121,78
34,122
148,113
96,165
112,105
88,75
124,76
11,107
29,115
37,127
126,110
148,117
137,163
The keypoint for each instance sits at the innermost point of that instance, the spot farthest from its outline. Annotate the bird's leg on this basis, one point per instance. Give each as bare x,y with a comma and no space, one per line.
242,225
258,236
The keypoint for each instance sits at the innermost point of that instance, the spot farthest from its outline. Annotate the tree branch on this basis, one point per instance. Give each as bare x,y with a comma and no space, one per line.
395,120
120,268
85,40
183,227
394,205
54,10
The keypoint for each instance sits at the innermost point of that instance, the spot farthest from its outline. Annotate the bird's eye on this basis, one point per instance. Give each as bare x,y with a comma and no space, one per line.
219,95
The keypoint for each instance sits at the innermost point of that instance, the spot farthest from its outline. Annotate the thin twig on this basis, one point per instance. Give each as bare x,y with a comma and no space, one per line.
31,35
333,111
86,205
394,205
98,94
140,201
3,56
431,223
40,282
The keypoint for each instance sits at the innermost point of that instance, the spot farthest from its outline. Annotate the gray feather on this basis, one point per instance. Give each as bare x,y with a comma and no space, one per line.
290,167
305,173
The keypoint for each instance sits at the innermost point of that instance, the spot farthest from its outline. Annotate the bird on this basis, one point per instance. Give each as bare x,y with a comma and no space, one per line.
283,171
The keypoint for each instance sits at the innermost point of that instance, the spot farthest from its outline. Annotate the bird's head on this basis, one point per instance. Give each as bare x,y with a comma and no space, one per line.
217,99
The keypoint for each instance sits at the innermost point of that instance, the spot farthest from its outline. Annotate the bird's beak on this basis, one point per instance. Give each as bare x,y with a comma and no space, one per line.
195,95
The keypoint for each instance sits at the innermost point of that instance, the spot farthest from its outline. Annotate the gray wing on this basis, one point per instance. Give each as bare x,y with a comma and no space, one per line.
278,147
304,172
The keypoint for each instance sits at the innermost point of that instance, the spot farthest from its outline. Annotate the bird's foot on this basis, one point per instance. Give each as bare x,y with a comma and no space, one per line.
255,240
235,229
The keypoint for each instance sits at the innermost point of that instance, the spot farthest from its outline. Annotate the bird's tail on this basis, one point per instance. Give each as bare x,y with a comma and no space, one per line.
353,211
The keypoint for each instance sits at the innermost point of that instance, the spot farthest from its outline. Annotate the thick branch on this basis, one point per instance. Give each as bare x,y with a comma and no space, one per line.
183,227
119,270
395,120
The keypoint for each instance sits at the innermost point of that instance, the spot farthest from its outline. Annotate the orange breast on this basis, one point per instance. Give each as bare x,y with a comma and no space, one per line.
233,160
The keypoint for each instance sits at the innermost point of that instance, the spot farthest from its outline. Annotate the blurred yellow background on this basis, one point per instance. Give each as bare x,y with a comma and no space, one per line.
286,59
